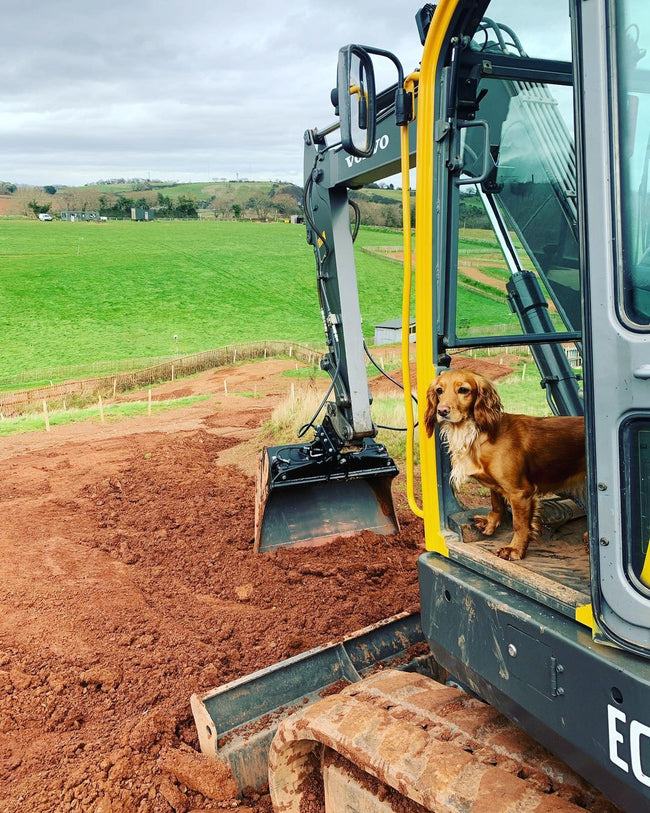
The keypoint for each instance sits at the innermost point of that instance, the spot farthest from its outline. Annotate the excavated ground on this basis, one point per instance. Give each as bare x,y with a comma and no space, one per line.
128,582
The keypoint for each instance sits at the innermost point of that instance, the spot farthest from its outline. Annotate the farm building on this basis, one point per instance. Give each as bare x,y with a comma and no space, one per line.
72,216
573,354
391,332
139,213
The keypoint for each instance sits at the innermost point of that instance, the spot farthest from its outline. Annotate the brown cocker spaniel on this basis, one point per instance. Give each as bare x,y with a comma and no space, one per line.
518,457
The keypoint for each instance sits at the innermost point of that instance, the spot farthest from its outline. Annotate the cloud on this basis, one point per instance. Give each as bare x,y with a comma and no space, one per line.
179,89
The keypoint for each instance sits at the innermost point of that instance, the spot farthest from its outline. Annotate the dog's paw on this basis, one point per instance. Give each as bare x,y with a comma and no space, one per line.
480,522
510,553
485,524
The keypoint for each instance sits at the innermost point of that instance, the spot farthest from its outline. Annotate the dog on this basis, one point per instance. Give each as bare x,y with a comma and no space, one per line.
518,457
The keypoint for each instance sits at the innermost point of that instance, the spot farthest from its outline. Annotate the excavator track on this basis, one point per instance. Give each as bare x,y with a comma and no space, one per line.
399,741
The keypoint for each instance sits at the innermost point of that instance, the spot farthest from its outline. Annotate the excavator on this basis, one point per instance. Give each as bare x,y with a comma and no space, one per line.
534,692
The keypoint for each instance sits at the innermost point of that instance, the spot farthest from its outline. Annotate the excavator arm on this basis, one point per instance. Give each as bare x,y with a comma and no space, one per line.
339,482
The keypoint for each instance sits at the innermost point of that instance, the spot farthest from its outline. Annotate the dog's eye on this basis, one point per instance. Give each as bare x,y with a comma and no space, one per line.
439,390
464,390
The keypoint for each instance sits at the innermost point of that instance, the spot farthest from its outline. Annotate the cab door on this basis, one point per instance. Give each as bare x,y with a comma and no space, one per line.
612,46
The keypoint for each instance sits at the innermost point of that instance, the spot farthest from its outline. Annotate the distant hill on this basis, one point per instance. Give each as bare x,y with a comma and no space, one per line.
219,200
226,200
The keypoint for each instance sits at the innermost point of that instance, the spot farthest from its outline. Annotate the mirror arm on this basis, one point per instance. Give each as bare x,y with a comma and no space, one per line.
403,99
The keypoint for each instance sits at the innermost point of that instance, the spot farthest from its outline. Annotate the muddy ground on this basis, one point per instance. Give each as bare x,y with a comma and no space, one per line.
128,582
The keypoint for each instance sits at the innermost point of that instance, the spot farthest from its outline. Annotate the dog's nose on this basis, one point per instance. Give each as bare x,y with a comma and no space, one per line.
443,411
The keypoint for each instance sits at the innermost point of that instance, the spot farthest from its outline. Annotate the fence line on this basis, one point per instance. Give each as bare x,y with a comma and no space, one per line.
30,379
15,403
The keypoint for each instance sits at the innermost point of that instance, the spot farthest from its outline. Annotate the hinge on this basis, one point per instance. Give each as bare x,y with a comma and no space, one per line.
556,670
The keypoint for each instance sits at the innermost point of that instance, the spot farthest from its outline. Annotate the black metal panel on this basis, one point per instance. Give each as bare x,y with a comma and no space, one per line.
583,701
529,69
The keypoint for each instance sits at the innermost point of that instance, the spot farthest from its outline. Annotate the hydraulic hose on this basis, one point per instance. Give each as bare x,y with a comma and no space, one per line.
406,313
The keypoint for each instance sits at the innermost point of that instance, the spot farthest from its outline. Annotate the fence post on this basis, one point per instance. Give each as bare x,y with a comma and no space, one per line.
126,380
47,417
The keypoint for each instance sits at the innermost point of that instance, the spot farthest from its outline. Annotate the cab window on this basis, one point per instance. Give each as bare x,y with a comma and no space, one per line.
633,73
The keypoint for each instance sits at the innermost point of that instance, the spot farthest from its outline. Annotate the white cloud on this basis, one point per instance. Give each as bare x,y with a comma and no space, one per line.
181,89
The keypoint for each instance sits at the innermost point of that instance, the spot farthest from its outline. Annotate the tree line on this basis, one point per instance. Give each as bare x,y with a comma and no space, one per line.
279,201
182,207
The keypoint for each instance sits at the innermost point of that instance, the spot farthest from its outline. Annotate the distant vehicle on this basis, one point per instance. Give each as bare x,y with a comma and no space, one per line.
44,216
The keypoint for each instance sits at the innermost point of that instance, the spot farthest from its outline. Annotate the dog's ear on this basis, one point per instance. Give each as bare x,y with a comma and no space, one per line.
432,406
487,407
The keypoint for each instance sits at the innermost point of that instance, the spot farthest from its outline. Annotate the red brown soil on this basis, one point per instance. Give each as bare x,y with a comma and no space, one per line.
128,582
494,370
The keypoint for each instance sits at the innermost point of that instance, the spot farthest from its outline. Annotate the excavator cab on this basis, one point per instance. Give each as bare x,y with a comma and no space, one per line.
556,146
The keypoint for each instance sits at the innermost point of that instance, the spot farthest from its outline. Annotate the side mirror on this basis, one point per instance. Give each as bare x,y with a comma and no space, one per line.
355,84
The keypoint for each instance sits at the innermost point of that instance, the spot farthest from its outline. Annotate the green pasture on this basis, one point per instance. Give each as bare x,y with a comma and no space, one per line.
74,293
79,293
240,190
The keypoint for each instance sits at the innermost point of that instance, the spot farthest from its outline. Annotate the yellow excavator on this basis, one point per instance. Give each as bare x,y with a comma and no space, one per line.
537,694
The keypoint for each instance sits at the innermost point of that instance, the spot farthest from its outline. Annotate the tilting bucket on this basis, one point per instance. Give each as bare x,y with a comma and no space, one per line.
304,499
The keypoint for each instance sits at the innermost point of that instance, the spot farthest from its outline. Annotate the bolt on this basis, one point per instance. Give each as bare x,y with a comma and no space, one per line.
559,691
604,541
559,669
512,650
602,486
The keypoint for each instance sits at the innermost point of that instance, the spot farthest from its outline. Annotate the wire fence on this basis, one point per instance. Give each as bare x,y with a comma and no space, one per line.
79,392
30,379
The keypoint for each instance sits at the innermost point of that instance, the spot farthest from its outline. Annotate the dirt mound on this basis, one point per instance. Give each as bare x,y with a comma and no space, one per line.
494,370
128,583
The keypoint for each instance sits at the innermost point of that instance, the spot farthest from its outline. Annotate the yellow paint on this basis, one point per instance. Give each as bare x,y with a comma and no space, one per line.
585,615
436,40
645,572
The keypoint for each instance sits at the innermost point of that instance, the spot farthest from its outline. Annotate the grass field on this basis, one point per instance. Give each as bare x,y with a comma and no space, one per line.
78,293
73,293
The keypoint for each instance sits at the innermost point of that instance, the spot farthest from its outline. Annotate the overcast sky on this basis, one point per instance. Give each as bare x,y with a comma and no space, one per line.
186,90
